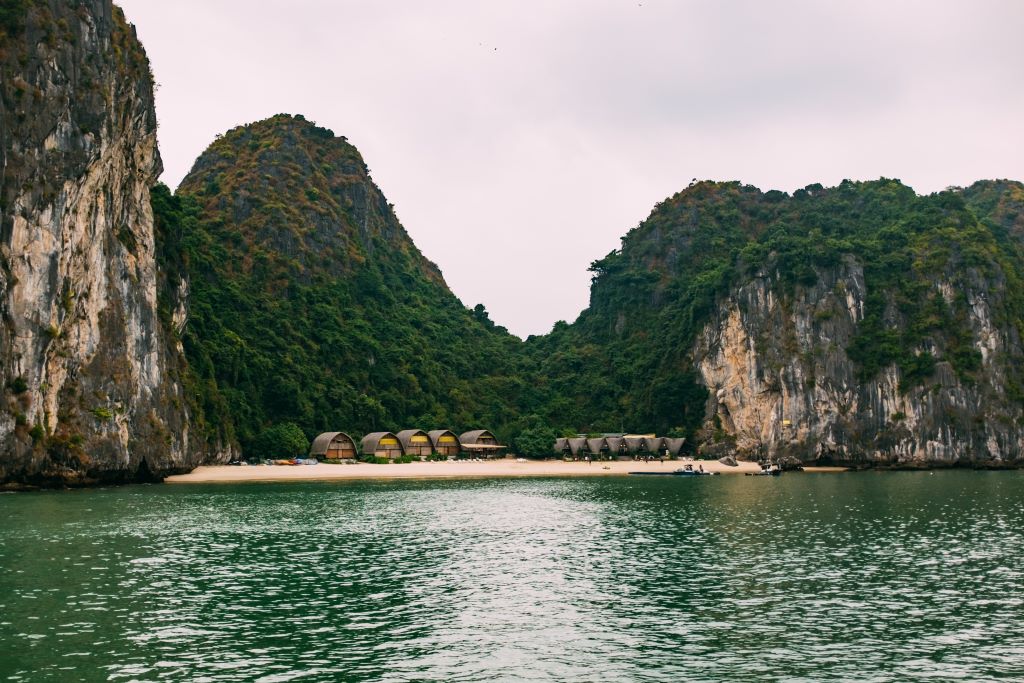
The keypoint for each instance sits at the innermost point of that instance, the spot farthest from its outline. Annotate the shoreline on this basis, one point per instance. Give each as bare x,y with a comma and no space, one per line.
442,470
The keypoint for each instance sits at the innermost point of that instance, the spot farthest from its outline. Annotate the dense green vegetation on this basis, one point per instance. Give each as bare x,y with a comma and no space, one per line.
282,440
627,360
309,304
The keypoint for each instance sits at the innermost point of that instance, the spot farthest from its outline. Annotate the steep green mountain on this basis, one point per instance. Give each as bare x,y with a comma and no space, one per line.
308,302
857,324
144,332
860,323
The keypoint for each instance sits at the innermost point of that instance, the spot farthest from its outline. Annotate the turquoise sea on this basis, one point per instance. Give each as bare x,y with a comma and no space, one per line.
808,577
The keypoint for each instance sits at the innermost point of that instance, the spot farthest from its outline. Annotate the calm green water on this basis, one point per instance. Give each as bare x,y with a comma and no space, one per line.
874,577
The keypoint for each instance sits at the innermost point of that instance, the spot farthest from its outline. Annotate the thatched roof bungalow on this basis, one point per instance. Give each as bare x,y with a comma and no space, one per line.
615,444
597,446
445,442
333,446
654,444
633,444
382,445
674,446
480,443
577,446
415,442
561,445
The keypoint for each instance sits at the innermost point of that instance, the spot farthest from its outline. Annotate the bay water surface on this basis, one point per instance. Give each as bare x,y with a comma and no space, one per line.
807,577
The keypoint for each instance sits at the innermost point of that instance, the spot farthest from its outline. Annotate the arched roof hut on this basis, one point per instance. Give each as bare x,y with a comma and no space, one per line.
596,446
633,444
561,445
577,446
382,445
654,444
674,446
445,442
480,442
415,442
333,446
615,445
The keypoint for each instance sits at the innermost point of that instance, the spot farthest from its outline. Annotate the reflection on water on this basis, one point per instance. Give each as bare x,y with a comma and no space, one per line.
882,577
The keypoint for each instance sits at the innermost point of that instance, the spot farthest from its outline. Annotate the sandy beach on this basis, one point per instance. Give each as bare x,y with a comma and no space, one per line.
451,469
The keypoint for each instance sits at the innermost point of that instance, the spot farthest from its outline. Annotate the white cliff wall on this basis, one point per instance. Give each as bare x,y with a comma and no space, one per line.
783,387
85,361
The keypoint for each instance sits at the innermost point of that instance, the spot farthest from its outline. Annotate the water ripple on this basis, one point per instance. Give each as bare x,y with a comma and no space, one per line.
807,578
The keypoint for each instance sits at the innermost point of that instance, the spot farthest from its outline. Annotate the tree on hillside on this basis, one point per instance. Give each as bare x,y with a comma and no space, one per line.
284,440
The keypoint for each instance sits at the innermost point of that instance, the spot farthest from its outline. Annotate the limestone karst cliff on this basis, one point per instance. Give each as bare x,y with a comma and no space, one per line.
783,384
88,372
862,325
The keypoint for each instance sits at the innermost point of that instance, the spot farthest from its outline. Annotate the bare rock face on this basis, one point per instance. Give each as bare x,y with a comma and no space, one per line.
87,369
782,386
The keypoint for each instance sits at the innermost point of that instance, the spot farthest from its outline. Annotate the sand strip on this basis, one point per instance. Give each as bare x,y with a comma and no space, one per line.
426,470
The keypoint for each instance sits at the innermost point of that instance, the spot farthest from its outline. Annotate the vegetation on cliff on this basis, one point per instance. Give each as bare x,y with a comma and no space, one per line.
310,304
628,358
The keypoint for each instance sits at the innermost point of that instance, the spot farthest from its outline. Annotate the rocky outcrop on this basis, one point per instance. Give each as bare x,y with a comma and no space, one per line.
87,369
783,387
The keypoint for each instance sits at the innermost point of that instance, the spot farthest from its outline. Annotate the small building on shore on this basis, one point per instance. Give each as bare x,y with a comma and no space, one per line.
634,444
333,446
445,442
654,445
674,446
382,445
616,446
415,442
480,443
622,446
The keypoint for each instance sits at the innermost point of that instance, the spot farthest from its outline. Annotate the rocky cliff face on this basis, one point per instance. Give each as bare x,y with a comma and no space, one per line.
783,386
861,325
86,366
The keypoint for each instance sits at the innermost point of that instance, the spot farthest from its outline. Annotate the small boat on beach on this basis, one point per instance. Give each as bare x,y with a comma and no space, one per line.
686,471
767,470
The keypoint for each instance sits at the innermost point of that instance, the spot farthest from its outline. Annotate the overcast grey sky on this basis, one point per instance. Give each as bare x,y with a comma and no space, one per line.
519,140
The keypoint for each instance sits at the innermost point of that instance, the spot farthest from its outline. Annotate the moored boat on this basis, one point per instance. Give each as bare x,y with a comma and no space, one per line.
685,471
767,470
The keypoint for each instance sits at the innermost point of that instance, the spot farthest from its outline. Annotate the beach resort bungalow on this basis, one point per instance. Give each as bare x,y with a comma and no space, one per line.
333,446
598,447
616,446
561,446
634,444
382,445
415,442
674,446
578,446
445,442
480,444
654,445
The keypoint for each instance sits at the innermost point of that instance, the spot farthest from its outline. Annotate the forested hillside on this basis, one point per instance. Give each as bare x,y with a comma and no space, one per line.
860,323
310,304
836,293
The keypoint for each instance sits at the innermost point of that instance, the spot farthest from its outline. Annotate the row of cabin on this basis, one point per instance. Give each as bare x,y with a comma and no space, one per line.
619,446
414,442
